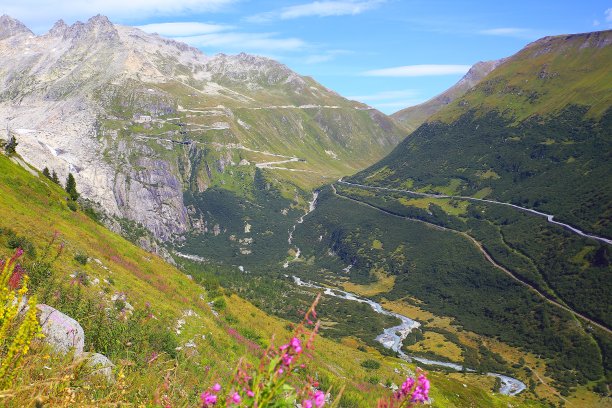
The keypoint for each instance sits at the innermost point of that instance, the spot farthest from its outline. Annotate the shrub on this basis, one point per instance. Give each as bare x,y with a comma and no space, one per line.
370,364
81,258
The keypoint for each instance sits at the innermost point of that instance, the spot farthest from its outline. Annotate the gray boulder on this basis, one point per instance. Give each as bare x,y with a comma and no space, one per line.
100,365
61,331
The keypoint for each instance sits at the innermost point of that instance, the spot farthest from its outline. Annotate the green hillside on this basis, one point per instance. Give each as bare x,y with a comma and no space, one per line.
94,264
536,132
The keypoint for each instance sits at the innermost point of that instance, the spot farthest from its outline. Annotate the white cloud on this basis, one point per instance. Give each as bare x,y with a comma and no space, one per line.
235,41
419,70
39,13
385,95
511,31
318,9
515,32
389,101
608,14
596,23
183,29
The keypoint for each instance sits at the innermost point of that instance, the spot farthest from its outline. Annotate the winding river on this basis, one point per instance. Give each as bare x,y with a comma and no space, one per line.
393,337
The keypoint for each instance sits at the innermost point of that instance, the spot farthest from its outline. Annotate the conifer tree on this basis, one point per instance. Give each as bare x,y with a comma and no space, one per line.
54,177
71,187
11,145
46,173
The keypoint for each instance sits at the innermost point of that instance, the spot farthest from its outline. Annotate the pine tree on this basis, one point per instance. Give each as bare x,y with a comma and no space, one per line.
46,173
54,178
11,145
71,187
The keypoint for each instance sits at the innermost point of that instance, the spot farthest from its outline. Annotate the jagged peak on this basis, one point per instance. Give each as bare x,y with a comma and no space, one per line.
10,26
99,26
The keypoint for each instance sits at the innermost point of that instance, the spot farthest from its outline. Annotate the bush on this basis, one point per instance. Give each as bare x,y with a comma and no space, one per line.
15,241
370,364
81,258
72,205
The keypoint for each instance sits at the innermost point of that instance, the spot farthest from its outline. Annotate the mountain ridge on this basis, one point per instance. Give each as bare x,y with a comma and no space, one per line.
413,116
102,101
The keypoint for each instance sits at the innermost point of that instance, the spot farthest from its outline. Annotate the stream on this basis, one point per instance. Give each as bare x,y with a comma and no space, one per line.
393,337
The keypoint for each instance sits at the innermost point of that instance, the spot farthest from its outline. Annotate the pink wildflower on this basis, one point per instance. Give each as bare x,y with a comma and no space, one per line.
250,393
216,387
421,392
319,399
236,398
287,359
208,399
307,404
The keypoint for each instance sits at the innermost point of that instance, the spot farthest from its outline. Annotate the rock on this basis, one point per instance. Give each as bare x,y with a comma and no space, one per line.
61,331
100,364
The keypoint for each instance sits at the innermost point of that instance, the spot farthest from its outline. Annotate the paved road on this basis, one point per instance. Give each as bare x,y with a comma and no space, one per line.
479,246
549,217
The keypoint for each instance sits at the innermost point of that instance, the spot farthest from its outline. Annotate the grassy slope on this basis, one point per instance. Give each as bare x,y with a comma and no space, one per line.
536,132
544,78
34,207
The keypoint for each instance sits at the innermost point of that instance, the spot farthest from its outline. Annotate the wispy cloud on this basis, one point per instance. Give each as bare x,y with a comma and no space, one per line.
385,95
390,100
515,32
419,70
183,29
317,9
608,14
238,41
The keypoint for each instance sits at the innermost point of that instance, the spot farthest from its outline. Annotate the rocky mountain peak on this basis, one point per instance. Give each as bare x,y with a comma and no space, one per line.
10,27
97,27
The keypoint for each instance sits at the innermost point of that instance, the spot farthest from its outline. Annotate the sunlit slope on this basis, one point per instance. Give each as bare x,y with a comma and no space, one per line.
536,132
35,208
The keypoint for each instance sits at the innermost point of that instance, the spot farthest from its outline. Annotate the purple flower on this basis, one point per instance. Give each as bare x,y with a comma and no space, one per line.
216,387
307,404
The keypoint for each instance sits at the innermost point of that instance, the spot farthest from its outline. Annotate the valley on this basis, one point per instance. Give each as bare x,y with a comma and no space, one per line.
219,194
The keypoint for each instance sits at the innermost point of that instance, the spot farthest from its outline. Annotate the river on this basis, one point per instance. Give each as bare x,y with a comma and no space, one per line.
393,337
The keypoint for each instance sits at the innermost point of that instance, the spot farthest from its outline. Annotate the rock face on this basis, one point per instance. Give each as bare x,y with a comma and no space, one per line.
139,119
61,331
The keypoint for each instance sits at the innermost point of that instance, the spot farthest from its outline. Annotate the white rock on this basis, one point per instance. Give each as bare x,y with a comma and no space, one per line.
61,331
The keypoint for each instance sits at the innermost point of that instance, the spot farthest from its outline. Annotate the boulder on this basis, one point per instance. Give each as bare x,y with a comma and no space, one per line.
100,365
61,331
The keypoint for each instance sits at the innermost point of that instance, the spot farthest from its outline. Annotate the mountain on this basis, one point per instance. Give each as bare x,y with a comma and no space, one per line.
414,116
534,132
141,120
455,224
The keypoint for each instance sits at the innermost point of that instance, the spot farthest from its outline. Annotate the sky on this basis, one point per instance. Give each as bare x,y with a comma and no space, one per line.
390,54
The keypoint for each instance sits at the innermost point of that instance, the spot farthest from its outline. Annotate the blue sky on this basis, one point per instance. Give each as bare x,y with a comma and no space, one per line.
388,53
